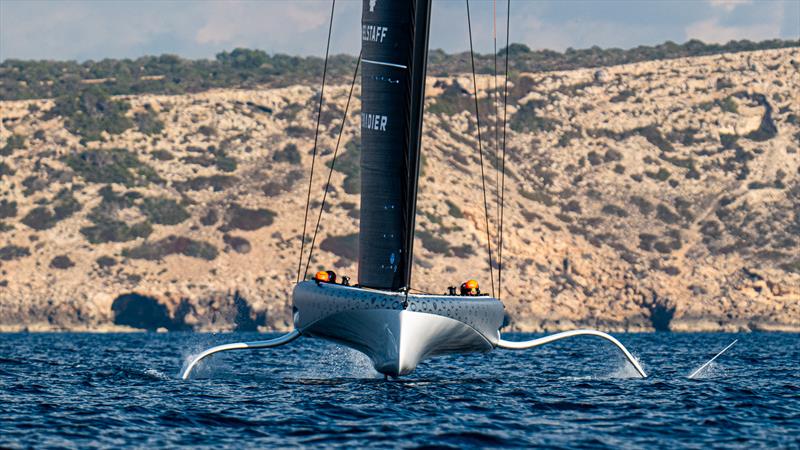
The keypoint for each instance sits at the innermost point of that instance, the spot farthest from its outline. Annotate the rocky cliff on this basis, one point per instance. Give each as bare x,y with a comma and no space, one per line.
660,195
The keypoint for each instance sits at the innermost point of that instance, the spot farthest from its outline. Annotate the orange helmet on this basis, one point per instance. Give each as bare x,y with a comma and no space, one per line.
470,287
322,276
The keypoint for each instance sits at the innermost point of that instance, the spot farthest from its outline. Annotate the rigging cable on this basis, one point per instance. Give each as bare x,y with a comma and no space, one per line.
503,163
316,137
480,149
333,163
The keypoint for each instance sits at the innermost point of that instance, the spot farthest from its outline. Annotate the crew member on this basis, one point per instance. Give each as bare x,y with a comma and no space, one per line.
325,276
470,288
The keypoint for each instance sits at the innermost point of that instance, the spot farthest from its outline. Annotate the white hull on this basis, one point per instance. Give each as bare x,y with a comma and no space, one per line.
396,341
397,331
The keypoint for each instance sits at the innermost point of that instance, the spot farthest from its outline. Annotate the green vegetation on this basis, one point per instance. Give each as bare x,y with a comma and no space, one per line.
163,211
107,228
285,184
238,244
90,112
454,210
455,99
112,166
538,195
662,174
526,120
614,210
14,142
214,157
172,245
567,137
7,209
289,154
644,206
105,262
207,131
241,218
666,215
64,205
162,155
61,262
148,122
11,252
243,68
5,169
623,96
729,105
653,136
217,183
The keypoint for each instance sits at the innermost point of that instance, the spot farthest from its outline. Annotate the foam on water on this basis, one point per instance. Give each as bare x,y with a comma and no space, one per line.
156,374
711,371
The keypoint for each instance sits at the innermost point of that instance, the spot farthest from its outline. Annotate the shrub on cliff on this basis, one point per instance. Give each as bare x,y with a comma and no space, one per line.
112,166
148,122
526,120
217,183
5,169
238,244
214,157
162,155
111,230
91,112
105,262
242,218
285,184
163,211
14,142
63,206
172,245
666,215
61,262
614,210
289,154
7,209
11,252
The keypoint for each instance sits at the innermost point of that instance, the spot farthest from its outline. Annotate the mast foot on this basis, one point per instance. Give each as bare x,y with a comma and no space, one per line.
511,345
285,339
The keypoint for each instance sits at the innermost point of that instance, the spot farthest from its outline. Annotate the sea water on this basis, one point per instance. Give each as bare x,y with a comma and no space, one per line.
122,390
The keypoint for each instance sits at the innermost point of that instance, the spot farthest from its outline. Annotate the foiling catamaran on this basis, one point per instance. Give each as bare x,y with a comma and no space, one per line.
379,316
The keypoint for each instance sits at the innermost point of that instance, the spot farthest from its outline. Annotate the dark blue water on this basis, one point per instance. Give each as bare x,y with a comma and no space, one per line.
121,390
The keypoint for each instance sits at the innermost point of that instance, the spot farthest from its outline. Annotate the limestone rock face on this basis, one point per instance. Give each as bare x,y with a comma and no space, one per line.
662,195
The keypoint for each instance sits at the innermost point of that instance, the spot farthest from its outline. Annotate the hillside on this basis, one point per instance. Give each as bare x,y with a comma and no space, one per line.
655,195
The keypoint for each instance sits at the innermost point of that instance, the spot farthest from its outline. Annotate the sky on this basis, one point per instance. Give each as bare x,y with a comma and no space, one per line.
97,29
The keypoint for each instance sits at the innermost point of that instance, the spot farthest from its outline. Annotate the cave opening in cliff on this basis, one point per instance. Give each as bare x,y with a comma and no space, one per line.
140,311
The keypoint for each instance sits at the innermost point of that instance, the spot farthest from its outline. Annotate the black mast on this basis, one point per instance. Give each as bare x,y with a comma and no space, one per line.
394,41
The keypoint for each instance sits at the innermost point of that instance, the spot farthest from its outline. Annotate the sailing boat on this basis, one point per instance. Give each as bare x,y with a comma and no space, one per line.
379,316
